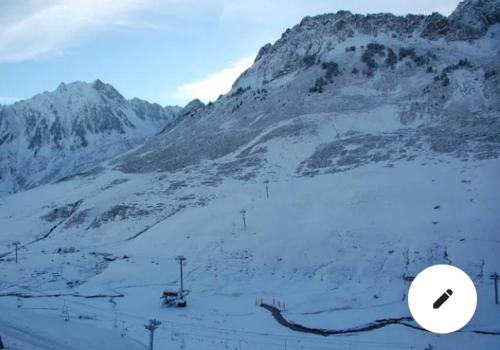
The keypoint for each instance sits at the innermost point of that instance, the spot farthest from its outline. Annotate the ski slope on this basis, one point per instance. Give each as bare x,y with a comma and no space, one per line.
334,248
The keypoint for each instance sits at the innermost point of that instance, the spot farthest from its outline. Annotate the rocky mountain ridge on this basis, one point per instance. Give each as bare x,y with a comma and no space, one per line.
55,134
442,93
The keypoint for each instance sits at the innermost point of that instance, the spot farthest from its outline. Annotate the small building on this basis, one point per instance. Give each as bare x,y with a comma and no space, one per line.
171,298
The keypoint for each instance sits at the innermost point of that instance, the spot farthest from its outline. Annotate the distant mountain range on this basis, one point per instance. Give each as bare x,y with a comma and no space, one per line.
59,133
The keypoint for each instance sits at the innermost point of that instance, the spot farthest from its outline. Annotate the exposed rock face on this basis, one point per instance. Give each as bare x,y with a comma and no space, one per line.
472,18
191,108
56,134
435,26
436,75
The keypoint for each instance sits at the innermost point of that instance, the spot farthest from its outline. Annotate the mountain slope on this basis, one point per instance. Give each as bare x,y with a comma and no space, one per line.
362,150
440,94
56,134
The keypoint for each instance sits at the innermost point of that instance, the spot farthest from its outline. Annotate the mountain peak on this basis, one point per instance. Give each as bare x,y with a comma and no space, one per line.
99,85
84,88
64,87
470,20
79,124
61,87
108,90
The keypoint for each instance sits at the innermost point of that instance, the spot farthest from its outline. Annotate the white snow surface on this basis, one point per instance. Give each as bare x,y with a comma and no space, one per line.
334,248
372,178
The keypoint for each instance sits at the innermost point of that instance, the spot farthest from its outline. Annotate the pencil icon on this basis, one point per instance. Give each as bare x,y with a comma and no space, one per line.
441,300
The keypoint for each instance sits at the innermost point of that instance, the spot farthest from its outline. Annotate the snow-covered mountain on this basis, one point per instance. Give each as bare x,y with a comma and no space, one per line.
422,82
355,152
60,133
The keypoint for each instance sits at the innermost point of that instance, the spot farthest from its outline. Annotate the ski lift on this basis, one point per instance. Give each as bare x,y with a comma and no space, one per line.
177,298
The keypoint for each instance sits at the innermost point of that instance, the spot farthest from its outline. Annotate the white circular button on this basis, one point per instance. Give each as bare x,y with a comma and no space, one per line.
442,299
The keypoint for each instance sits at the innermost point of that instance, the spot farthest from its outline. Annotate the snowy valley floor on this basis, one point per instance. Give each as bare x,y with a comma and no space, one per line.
338,250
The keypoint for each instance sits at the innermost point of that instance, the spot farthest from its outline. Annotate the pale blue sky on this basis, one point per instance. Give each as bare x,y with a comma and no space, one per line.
165,51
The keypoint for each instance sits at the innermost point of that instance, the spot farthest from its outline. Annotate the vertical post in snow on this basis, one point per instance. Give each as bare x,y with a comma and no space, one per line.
16,247
181,260
267,188
151,327
183,341
243,212
496,289
65,311
494,277
1,344
124,329
151,338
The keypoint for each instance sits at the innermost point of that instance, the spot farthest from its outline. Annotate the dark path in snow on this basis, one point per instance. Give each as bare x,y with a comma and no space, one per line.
363,328
58,295
148,227
326,332
73,207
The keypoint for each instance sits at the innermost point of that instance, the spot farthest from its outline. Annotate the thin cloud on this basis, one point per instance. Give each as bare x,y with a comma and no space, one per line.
215,84
31,29
46,28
